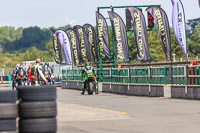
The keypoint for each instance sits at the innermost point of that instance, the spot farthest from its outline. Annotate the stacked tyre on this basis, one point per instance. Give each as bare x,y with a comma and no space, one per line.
8,111
37,109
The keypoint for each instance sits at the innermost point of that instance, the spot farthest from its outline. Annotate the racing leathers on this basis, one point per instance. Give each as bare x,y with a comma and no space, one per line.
47,72
37,74
88,70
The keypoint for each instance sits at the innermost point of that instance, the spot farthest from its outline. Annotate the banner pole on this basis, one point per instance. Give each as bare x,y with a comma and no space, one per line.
100,59
114,59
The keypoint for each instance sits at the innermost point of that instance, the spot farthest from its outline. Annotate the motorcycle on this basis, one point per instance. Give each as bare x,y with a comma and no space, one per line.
19,79
90,85
42,82
48,78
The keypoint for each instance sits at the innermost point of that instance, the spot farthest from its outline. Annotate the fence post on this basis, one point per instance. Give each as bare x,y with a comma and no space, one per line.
198,75
187,73
165,75
100,70
129,76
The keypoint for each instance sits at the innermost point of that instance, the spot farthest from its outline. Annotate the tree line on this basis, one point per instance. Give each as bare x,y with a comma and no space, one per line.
25,44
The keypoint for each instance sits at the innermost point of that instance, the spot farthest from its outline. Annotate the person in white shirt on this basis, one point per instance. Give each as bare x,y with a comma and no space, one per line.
36,73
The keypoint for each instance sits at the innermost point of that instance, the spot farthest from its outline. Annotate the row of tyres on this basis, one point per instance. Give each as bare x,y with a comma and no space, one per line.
36,109
8,111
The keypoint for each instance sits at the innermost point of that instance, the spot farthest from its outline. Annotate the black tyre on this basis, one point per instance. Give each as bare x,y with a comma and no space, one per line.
90,88
42,125
8,132
37,109
37,93
16,85
8,125
21,83
13,85
8,96
8,111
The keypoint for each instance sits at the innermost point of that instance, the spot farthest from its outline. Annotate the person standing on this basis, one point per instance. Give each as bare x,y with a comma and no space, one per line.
36,73
52,79
88,70
28,71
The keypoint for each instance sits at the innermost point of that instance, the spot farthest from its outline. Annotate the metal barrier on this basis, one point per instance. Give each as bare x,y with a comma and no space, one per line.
158,75
106,75
120,75
193,73
139,75
74,74
179,75
176,75
64,75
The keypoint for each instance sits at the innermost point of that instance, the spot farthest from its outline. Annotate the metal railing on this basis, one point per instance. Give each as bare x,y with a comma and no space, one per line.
193,73
74,74
176,75
139,75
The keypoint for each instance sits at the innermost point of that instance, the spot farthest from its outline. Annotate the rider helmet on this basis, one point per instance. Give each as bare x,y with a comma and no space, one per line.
87,63
18,65
47,64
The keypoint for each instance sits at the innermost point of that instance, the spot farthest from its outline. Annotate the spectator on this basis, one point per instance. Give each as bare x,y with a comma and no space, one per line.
36,73
28,72
53,78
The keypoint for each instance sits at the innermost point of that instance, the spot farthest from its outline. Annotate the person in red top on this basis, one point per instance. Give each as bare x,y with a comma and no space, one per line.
28,73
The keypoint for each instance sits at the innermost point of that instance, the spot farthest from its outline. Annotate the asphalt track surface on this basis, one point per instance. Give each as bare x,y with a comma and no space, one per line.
109,113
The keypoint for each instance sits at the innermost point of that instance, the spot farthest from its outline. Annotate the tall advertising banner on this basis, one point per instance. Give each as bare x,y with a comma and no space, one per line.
83,44
64,41
178,21
199,3
103,37
120,37
91,36
74,45
140,32
56,47
162,22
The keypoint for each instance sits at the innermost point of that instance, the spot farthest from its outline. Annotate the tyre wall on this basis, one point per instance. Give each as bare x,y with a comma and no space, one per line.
8,111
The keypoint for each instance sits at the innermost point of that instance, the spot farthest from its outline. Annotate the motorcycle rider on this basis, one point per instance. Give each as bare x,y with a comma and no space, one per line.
14,75
17,71
47,71
36,73
88,70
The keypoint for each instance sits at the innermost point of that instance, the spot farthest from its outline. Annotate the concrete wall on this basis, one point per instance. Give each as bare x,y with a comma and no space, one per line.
76,85
139,90
135,90
186,92
183,92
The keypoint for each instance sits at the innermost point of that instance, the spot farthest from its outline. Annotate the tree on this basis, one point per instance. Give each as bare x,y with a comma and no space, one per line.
191,25
8,35
33,36
194,44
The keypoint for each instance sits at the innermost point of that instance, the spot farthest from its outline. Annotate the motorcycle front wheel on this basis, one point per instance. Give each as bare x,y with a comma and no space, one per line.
22,83
90,88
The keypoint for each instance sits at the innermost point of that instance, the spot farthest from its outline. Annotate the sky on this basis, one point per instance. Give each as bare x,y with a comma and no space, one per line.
47,13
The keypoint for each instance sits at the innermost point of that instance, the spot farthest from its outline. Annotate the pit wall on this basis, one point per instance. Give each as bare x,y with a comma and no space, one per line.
168,91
